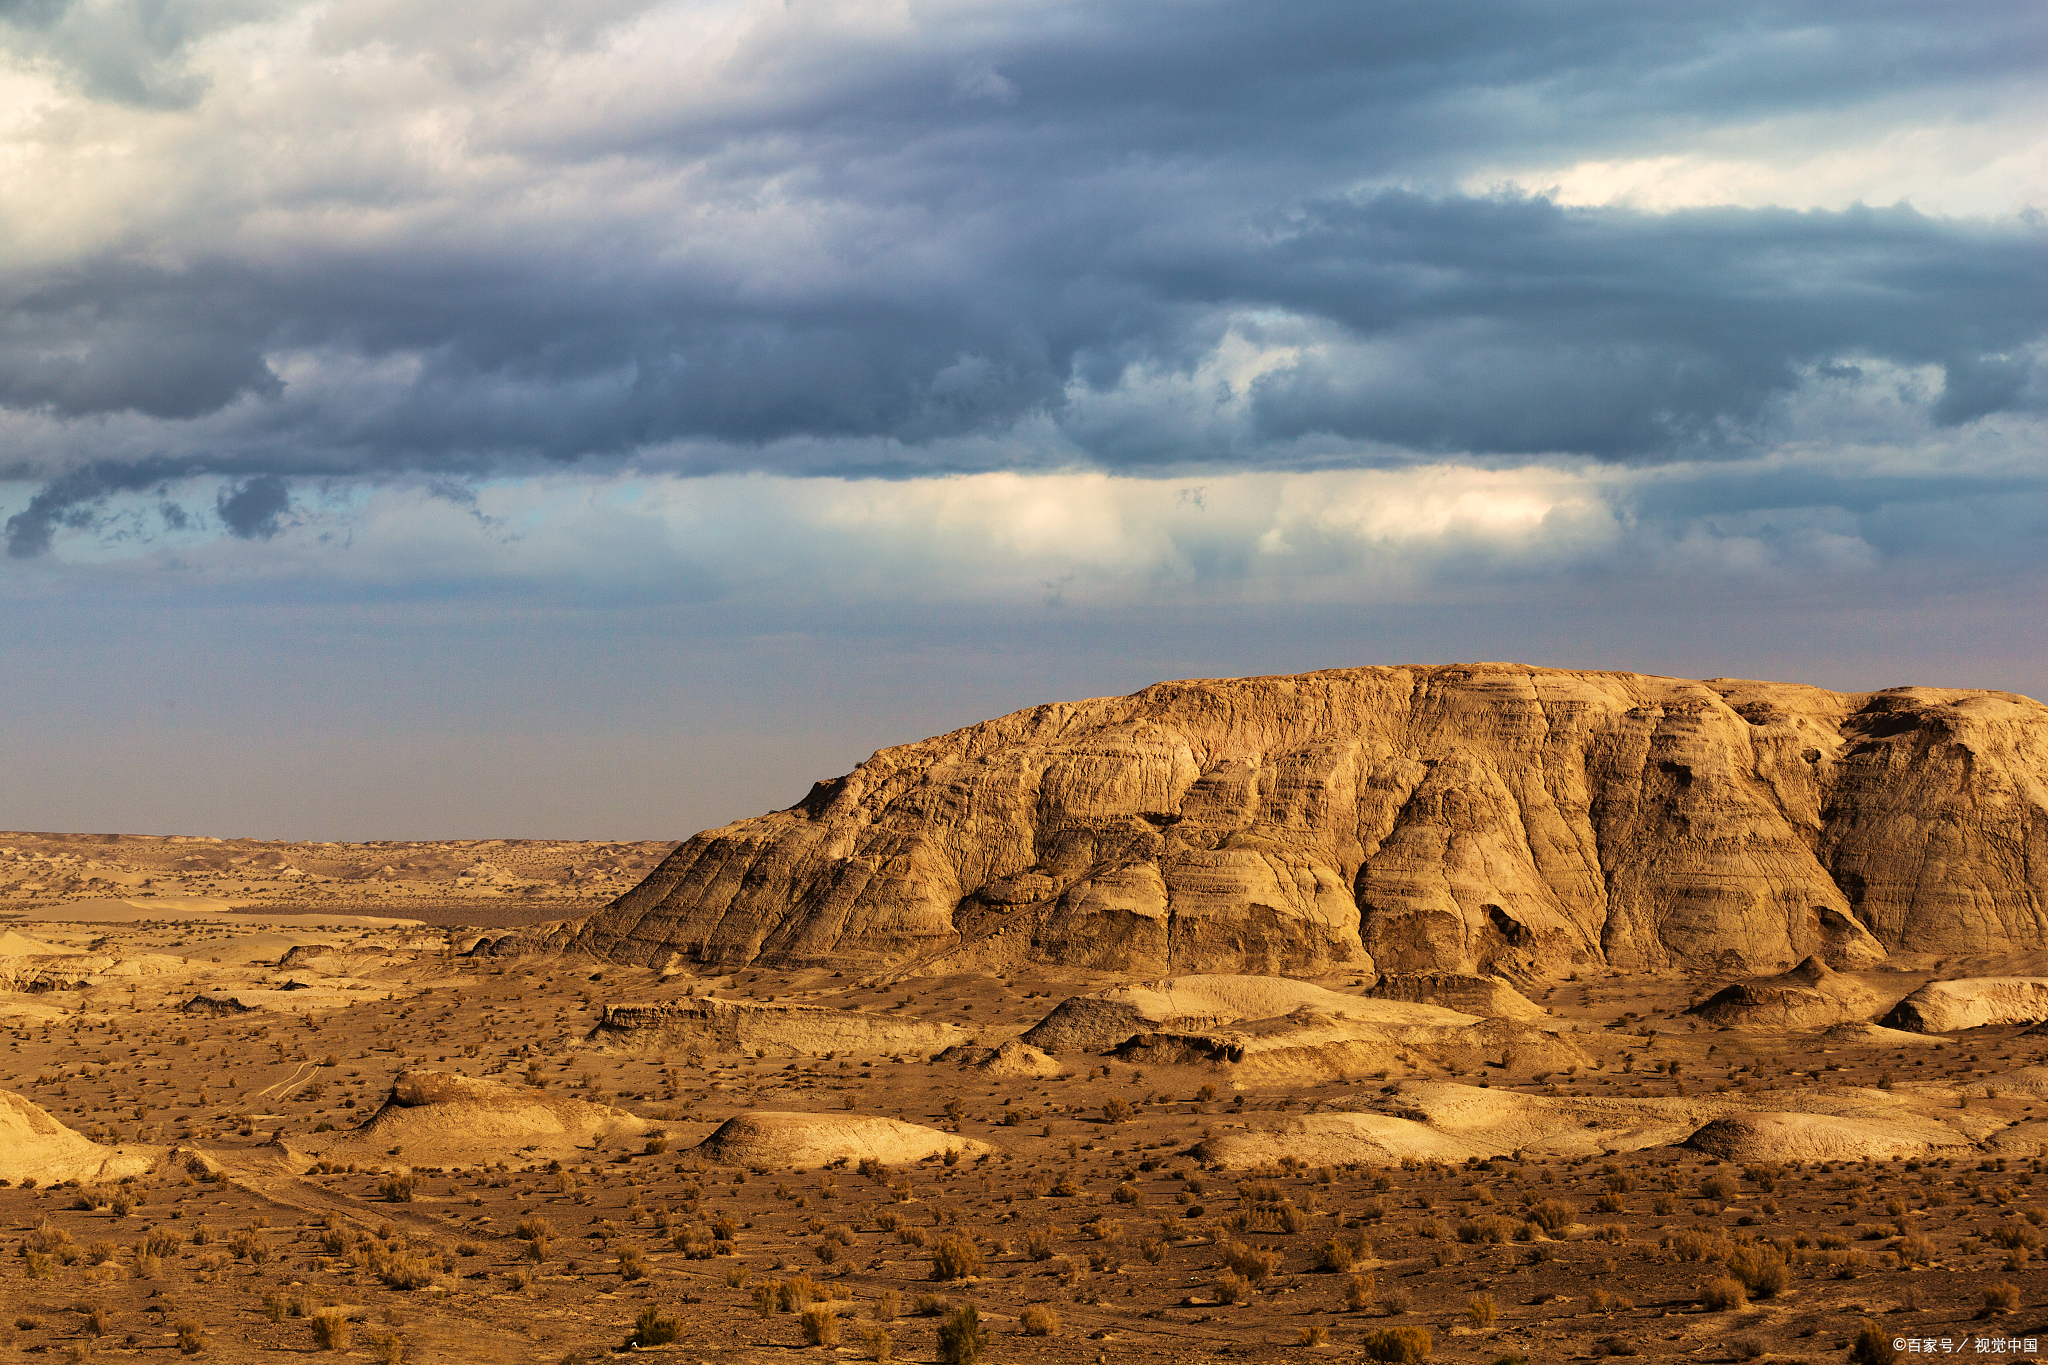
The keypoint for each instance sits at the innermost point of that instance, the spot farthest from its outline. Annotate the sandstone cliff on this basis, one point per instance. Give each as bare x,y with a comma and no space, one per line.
1471,818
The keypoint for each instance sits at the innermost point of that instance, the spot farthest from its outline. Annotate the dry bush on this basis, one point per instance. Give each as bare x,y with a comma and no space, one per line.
962,1338
1552,1215
398,1188
1039,1320
929,1305
956,1258
331,1329
1761,1269
1234,1288
879,1344
632,1263
1722,1293
99,1253
98,1321
1153,1250
1334,1256
796,1294
1395,1303
1603,1302
1481,1310
1398,1345
1718,1188
820,1325
1254,1264
654,1328
1315,1335
191,1338
1873,1346
2002,1297
388,1348
1358,1292
888,1306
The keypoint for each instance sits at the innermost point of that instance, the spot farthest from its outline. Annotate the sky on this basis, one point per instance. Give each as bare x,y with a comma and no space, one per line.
601,418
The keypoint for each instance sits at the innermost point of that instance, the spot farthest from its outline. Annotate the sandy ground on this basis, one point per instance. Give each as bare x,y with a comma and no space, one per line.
1093,1217
481,882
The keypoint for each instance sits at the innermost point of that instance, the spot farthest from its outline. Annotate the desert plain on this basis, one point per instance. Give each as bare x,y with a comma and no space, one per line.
1250,1026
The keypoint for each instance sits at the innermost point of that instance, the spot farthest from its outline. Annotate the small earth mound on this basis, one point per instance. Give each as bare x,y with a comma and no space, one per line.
1335,1140
1486,996
1811,995
1018,1058
1775,1137
1972,1002
34,1146
770,1138
777,1030
1183,1004
442,1118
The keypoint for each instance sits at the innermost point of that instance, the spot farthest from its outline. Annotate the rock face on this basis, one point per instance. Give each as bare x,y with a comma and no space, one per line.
1471,818
1811,995
1973,1002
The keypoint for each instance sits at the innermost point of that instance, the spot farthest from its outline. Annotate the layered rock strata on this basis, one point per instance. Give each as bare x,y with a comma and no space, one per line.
1485,818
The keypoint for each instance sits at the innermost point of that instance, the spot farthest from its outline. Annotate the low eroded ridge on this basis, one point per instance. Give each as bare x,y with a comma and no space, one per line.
1473,818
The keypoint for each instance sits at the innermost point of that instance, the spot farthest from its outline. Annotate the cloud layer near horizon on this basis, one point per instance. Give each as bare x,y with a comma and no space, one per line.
271,242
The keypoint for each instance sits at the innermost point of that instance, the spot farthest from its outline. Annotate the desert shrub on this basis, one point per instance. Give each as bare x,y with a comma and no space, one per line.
1255,1265
276,1306
654,1328
1039,1320
1481,1310
764,1299
929,1305
1610,1203
632,1263
1872,1346
1334,1256
962,1338
1718,1188
99,1253
2001,1298
1233,1288
388,1348
1722,1293
1745,1348
1664,1206
820,1325
331,1329
879,1343
1398,1345
398,1188
888,1306
1761,1269
191,1338
1552,1215
1153,1250
402,1270
98,1321
1358,1292
1483,1230
1603,1302
535,1230
956,1258
1126,1193
1314,1335
1116,1111
796,1294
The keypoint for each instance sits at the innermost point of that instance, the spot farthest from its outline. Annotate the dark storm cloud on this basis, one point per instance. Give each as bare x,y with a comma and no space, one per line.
1006,215
253,508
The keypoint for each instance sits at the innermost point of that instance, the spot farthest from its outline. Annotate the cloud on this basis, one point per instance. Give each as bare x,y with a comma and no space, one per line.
274,243
253,509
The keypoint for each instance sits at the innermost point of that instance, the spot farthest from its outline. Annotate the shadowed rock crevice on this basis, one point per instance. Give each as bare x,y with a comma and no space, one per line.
1485,818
